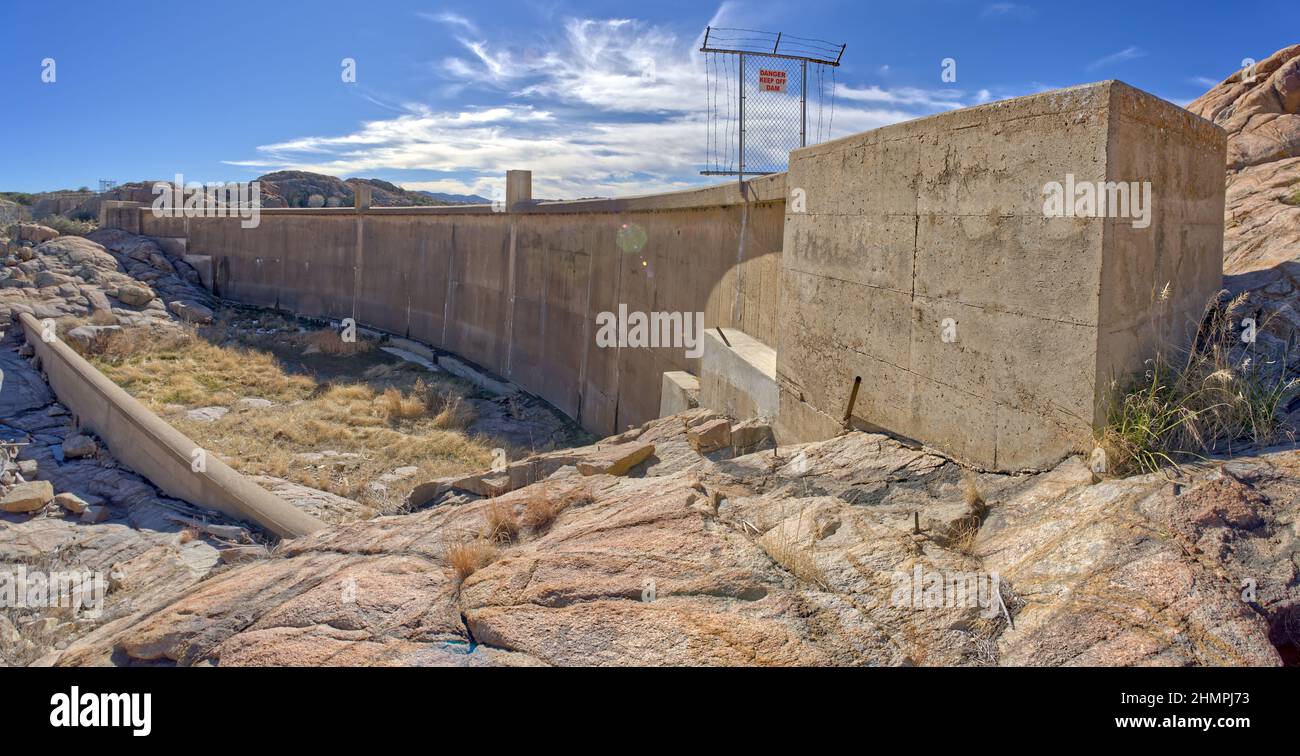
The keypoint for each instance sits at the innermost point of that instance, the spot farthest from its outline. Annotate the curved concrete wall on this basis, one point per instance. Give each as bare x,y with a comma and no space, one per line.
516,292
919,261
145,443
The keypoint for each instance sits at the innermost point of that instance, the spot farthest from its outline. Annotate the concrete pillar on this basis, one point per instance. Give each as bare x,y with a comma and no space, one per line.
519,188
361,196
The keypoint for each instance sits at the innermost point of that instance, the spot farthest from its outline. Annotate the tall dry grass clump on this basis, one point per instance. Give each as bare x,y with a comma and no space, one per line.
500,523
329,341
1216,395
467,557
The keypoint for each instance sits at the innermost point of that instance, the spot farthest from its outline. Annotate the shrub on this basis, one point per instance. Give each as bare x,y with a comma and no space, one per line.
1197,401
399,406
467,557
69,227
500,523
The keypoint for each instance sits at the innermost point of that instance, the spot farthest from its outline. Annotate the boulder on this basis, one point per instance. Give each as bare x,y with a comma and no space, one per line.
751,436
615,460
206,414
710,436
71,502
1262,118
190,312
78,446
91,338
95,514
34,232
49,278
136,295
27,497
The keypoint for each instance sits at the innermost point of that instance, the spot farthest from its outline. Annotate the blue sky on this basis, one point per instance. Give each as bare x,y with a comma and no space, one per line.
449,95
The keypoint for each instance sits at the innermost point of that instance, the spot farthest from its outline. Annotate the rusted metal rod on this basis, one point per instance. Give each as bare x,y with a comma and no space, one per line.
853,399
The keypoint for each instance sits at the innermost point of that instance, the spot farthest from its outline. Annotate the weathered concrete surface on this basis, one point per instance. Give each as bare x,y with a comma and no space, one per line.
918,257
926,265
517,292
680,392
738,375
148,445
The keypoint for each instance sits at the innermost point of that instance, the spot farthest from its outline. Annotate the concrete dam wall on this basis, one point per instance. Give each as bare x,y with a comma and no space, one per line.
925,261
517,292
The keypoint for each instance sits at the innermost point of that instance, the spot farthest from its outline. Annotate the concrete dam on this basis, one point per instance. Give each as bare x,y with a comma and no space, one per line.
921,279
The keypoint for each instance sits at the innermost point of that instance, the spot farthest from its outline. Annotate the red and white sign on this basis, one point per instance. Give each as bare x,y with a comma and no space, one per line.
771,80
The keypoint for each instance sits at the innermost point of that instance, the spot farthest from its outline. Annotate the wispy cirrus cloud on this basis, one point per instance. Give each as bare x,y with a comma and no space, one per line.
1007,9
1132,52
594,107
449,18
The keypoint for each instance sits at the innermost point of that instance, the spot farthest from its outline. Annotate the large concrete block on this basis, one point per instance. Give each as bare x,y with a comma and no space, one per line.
680,392
980,322
738,376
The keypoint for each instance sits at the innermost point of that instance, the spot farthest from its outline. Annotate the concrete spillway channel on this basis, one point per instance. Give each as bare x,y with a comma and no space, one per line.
147,444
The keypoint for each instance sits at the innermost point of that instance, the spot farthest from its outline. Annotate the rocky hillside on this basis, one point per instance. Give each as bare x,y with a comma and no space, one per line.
667,546
1262,118
279,189
303,189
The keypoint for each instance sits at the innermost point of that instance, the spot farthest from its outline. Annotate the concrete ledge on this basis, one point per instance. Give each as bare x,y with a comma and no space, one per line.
148,445
203,265
680,392
738,375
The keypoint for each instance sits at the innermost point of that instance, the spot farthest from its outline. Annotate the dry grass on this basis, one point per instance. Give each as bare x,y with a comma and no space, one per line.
385,426
500,523
1203,400
177,367
329,341
467,557
788,550
960,535
399,406
103,318
542,509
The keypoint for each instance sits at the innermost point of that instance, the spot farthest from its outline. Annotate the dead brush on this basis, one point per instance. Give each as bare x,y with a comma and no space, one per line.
1202,400
447,407
468,556
329,341
103,318
960,534
500,523
787,549
543,509
399,406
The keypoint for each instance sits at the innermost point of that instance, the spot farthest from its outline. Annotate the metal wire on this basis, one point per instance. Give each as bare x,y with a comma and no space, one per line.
775,107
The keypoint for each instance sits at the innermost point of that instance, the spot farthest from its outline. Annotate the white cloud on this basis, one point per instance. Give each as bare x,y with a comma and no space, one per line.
599,107
1128,53
941,99
1007,9
448,18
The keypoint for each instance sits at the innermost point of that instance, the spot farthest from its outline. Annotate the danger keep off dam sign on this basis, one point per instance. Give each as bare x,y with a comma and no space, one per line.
770,80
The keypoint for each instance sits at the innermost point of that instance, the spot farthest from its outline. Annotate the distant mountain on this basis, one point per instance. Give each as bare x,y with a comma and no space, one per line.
304,189
458,199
